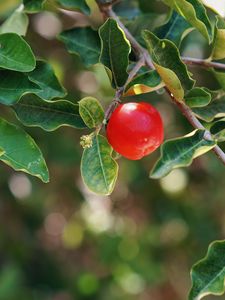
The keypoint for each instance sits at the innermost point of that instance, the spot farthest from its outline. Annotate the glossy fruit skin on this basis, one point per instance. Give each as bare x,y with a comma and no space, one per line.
135,130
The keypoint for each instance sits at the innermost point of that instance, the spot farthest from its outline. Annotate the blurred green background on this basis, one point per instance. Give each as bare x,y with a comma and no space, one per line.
58,241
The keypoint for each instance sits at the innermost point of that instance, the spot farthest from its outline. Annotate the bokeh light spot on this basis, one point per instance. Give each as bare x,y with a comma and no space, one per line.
20,186
72,235
175,182
54,224
88,284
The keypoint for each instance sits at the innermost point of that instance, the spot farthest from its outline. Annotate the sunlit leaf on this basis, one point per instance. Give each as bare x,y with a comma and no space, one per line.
208,275
195,13
91,112
218,51
180,152
168,64
16,23
115,51
99,170
21,152
150,80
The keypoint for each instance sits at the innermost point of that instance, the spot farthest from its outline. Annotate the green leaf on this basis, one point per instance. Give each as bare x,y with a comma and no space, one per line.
168,64
13,85
220,77
115,51
216,109
195,13
49,115
33,6
197,97
15,53
208,275
175,29
91,112
1,152
21,152
149,21
75,5
98,169
150,79
218,51
16,23
84,42
218,130
44,76
180,152
105,1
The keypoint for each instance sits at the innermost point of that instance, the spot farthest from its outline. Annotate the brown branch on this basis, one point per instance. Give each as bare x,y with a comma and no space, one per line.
186,111
203,63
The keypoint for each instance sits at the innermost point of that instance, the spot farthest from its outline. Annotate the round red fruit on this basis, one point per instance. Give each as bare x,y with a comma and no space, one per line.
135,130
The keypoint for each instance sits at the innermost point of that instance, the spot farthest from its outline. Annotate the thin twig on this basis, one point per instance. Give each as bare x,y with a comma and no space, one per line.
203,63
119,91
140,63
186,111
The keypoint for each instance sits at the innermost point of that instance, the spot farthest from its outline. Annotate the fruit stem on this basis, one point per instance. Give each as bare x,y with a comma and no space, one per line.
120,91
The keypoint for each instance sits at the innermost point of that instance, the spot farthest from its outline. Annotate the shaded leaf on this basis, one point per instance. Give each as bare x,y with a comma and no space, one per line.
218,130
16,23
115,51
175,29
43,75
13,85
127,9
216,109
21,152
98,169
168,64
220,77
49,115
104,1
19,58
84,42
75,5
197,97
218,51
149,21
195,13
151,80
91,112
33,6
180,152
208,275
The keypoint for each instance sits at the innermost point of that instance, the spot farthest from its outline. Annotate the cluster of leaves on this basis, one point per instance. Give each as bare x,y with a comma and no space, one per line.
30,88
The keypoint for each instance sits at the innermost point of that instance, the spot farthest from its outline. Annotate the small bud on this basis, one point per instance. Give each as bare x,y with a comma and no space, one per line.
86,141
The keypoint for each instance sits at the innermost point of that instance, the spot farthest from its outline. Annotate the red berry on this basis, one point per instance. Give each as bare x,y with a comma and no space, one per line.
135,130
